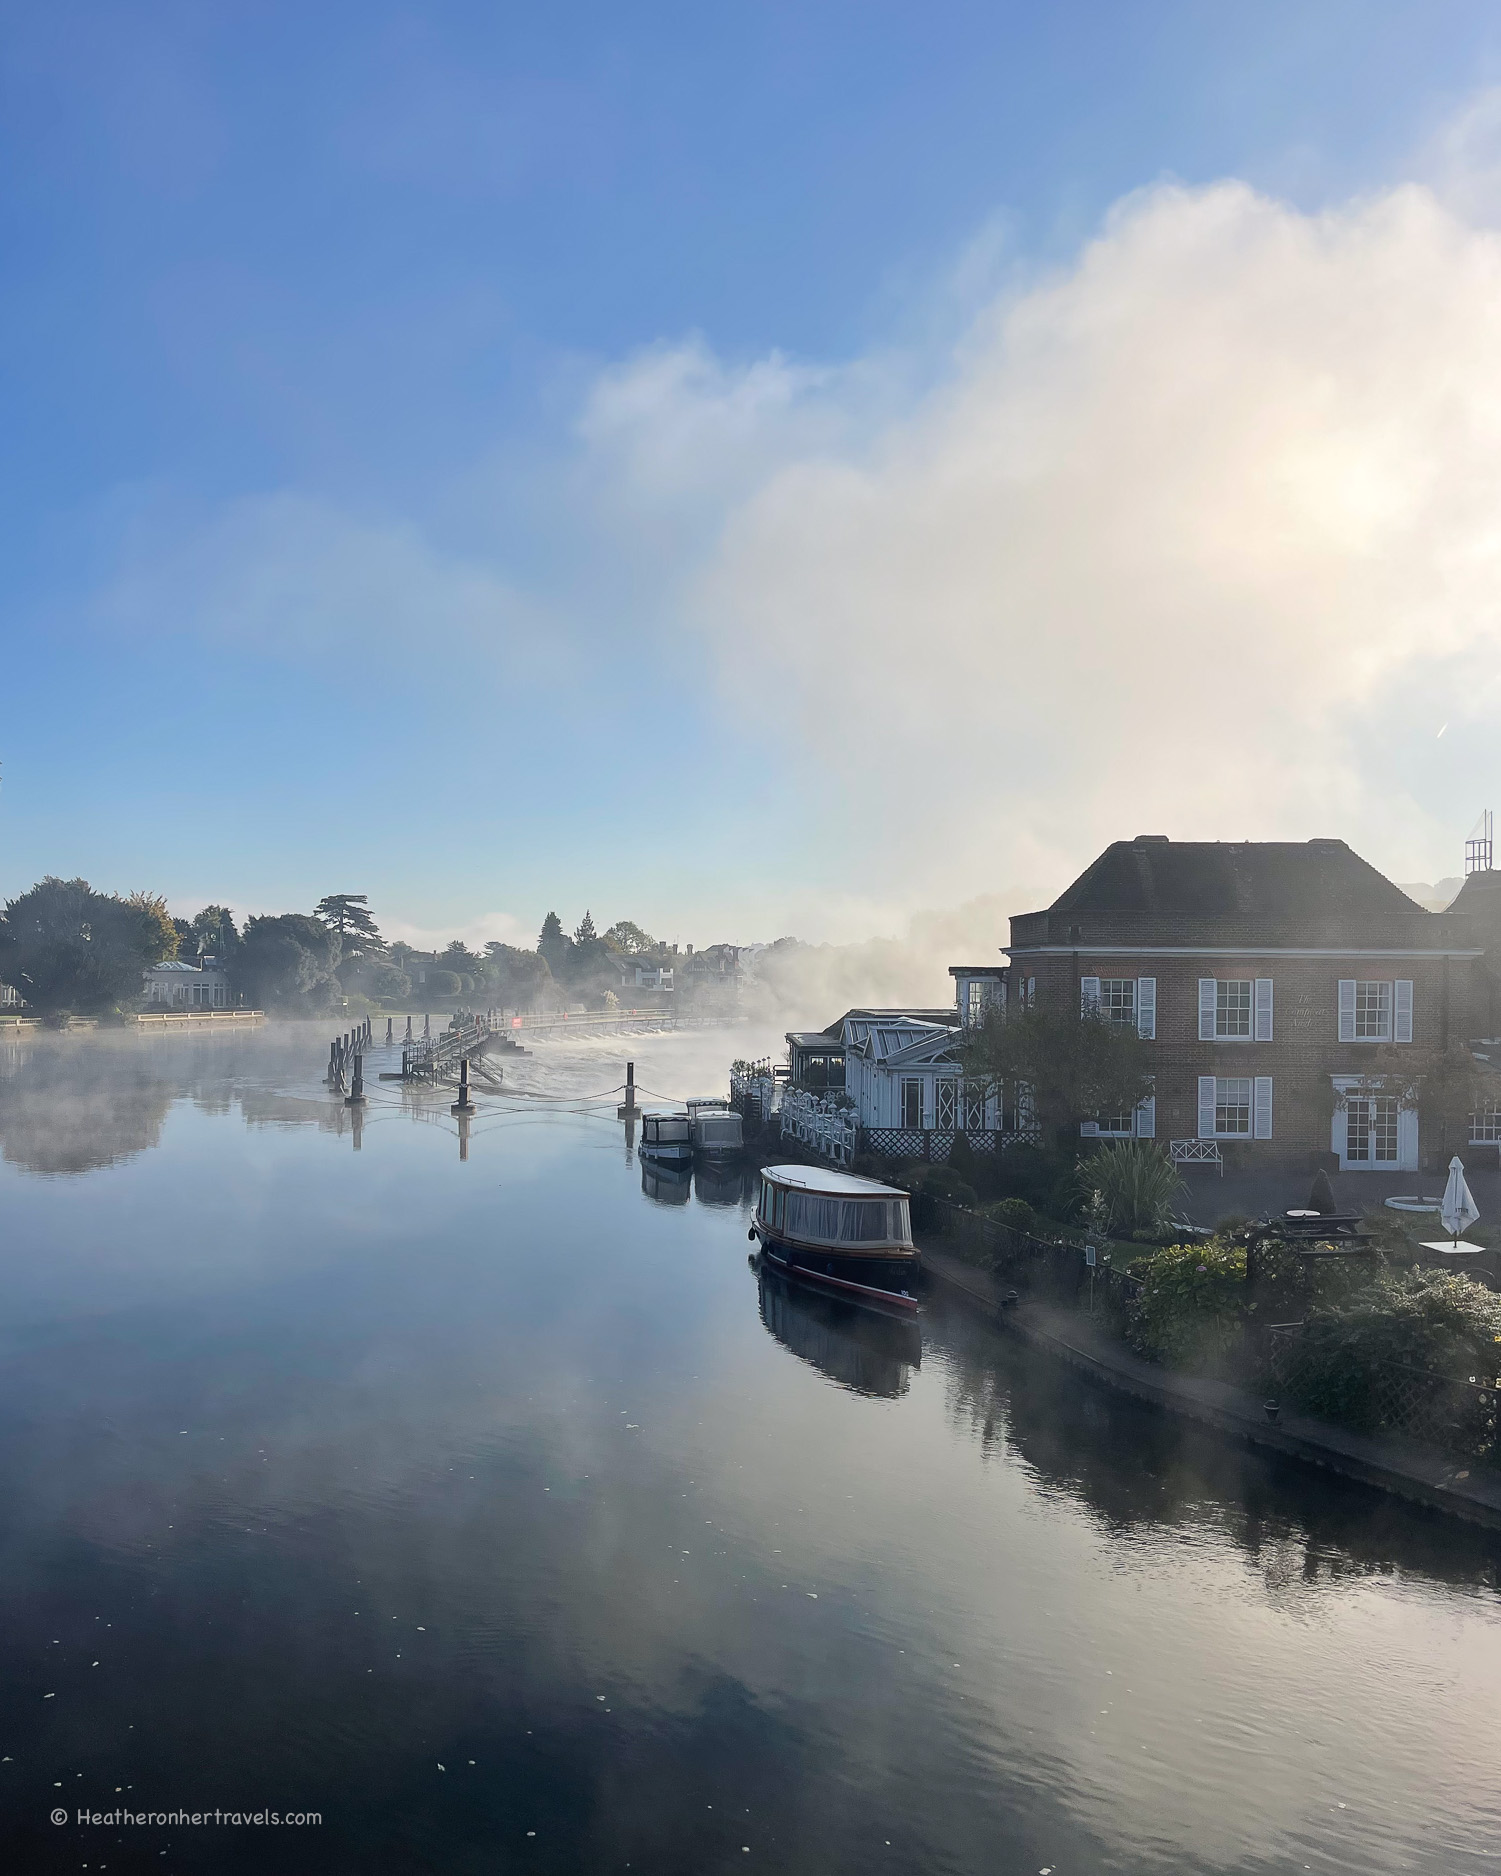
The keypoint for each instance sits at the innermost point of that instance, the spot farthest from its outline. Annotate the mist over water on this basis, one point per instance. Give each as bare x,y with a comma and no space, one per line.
346,1466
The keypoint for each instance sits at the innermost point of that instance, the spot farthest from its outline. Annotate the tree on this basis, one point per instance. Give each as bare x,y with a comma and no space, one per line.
213,932
388,982
153,908
1076,1068
554,944
348,914
288,963
457,957
66,947
629,938
586,934
519,979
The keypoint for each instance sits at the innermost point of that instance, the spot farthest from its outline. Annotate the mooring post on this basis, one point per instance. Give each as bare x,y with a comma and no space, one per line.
333,1063
408,1036
427,1025
463,1105
627,1109
356,1095
388,1032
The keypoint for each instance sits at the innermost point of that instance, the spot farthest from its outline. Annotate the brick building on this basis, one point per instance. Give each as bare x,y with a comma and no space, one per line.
1265,974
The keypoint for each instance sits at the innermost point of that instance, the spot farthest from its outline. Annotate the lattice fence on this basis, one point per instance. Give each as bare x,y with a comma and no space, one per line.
937,1143
1459,1413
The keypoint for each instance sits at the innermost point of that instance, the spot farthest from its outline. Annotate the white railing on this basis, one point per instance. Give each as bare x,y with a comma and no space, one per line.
1197,1153
817,1122
754,1095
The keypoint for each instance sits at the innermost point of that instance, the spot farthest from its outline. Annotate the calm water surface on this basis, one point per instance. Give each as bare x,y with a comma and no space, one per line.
494,1510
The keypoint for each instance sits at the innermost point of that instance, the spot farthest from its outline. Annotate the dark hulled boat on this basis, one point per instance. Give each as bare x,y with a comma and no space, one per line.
846,1236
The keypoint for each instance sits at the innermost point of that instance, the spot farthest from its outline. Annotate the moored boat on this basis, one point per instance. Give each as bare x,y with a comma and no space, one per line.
666,1137
847,1236
716,1134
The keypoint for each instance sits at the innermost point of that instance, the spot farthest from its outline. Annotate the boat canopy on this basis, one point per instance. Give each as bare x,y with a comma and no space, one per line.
716,1129
857,1211
826,1179
664,1128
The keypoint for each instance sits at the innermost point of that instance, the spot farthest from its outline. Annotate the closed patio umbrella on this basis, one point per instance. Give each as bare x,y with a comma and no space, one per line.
1459,1210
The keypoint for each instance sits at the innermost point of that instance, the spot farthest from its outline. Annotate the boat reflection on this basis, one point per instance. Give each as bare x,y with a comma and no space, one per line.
666,1183
721,1183
861,1351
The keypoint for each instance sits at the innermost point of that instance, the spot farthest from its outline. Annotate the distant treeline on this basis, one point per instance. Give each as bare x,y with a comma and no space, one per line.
65,948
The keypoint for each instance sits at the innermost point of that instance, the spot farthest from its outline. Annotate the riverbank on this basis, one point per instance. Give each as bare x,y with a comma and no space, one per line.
1406,1470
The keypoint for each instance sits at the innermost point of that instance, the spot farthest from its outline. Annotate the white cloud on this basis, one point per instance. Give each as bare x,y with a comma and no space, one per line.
1188,540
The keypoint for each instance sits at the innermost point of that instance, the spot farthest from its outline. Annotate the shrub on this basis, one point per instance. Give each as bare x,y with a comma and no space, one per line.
1014,1214
1361,1358
1130,1185
941,1182
1191,1305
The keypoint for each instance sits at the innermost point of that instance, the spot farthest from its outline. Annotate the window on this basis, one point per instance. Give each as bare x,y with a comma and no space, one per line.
810,1215
1232,1007
1118,1002
1232,1104
945,1089
863,1221
973,1095
1485,1127
1373,1012
912,1103
1371,1130
977,999
1118,1124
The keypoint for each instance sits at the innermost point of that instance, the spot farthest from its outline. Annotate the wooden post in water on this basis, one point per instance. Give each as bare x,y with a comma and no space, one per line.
333,1063
628,1109
388,1032
427,1024
356,1095
408,1036
463,1105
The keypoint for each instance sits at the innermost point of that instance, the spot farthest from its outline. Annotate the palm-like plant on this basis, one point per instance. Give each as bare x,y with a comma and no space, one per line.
1130,1185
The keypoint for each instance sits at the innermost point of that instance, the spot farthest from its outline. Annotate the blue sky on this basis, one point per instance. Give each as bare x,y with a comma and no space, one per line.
399,404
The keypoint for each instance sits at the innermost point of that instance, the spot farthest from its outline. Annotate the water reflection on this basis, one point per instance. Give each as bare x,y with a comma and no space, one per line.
1293,1523
61,1112
864,1352
666,1184
725,1184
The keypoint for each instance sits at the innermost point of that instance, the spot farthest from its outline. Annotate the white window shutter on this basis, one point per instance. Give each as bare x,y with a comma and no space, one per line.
1402,1010
1146,1009
1263,1009
1347,1009
1206,1104
1089,996
1146,1119
1407,1139
1262,1113
1206,1014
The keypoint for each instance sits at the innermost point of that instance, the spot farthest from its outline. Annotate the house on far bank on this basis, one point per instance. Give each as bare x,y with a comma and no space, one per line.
635,975
174,985
1266,975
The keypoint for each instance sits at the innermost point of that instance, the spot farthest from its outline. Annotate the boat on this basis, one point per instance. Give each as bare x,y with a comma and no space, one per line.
847,1236
666,1136
707,1103
716,1134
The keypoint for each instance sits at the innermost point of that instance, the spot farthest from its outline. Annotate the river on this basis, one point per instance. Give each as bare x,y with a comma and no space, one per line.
493,1511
